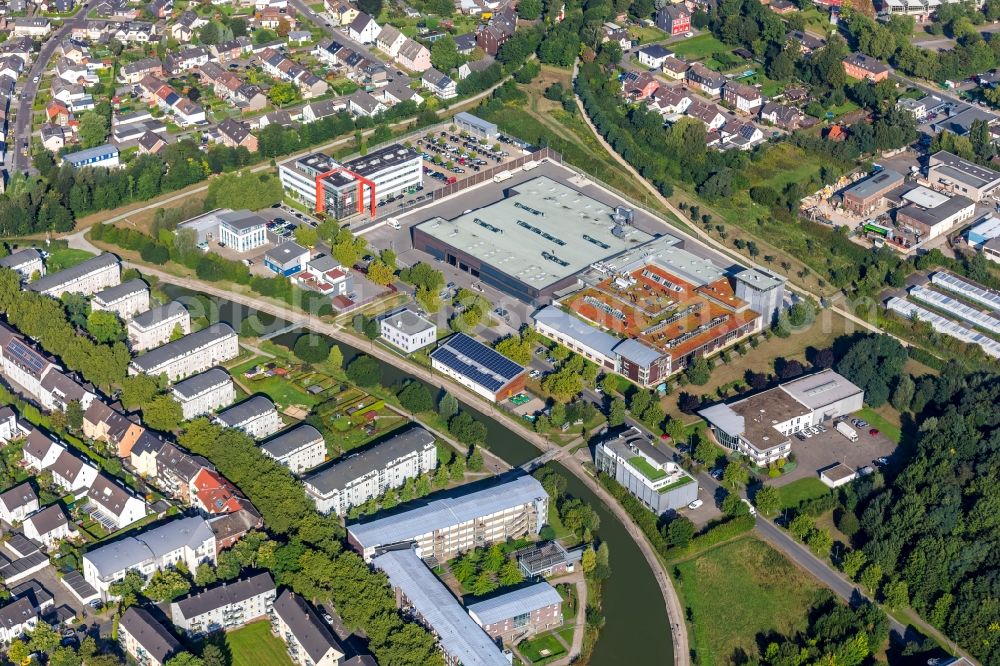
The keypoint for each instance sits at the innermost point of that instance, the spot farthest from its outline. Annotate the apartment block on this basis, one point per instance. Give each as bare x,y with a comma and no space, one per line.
226,606
309,640
189,355
88,277
26,263
520,613
125,300
33,375
256,417
156,326
299,448
358,477
204,393
146,639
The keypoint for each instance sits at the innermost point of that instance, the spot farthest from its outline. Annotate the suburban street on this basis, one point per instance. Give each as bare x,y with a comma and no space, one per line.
22,122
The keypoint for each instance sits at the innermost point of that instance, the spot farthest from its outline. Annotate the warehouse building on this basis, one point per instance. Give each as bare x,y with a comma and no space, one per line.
762,425
478,367
929,214
359,477
459,520
350,187
189,355
534,242
476,126
88,277
950,173
646,471
868,194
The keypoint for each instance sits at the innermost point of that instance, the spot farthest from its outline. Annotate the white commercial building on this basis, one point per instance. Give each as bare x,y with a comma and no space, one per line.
348,187
407,330
155,327
225,606
189,355
125,300
204,393
187,540
299,448
358,477
762,425
244,233
256,417
88,277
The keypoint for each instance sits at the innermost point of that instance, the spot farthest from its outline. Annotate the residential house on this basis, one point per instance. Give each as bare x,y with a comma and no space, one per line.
670,101
804,42
31,27
861,66
49,526
740,135
186,60
361,103
160,9
71,473
53,137
187,23
780,115
706,113
102,423
112,505
35,376
389,40
212,494
744,98
40,451
413,56
674,68
612,32
639,85
16,619
706,80
236,134
150,143
440,84
18,503
673,19
520,613
653,55
497,31
133,72
475,66
407,330
363,29
324,109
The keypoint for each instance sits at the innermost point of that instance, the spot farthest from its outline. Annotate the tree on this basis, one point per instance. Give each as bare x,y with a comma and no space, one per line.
767,500
529,10
873,363
467,429
589,559
264,35
896,593
820,542
414,397
74,415
212,655
447,406
364,371
243,189
494,558
510,573
167,585
852,563
456,468
801,526
735,474
105,326
163,413
370,7
312,348
93,129
43,638
306,236
699,372
616,413
137,391
204,575
335,358
871,577
380,273
483,584
902,396
476,462
679,532
445,55
733,506
706,452
184,659
18,652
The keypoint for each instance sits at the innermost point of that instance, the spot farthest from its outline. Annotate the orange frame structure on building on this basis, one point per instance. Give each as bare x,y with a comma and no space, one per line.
362,181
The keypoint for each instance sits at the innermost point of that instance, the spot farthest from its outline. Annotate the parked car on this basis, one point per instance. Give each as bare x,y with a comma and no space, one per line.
695,504
873,432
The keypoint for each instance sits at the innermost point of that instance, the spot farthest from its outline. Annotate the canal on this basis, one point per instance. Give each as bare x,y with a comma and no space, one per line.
637,629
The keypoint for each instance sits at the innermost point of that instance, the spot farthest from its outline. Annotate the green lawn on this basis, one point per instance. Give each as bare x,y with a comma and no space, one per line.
255,645
541,650
803,489
645,34
281,390
65,257
738,591
702,46
843,109
876,420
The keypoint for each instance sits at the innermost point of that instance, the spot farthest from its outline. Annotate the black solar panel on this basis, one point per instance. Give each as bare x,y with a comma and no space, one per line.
445,356
26,357
483,355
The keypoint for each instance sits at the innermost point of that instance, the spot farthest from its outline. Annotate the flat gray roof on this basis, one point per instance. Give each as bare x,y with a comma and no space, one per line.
408,321
877,183
513,603
577,329
189,343
541,233
441,513
354,466
820,389
963,170
459,635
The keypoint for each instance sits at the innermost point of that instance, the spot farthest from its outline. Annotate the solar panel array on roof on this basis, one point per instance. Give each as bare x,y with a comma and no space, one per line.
26,357
957,308
476,361
987,297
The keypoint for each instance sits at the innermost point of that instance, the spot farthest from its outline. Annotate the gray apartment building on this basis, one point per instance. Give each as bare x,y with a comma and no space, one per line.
299,448
255,416
204,393
88,277
156,326
145,639
191,354
226,606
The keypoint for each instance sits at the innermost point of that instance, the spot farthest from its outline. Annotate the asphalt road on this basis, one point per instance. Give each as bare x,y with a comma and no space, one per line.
22,122
334,32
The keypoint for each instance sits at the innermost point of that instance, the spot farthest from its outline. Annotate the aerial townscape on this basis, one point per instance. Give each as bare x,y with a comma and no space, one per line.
499,332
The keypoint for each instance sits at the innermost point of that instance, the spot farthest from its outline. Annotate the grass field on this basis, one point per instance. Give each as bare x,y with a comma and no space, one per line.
63,258
541,650
703,46
646,33
803,489
737,591
885,419
255,645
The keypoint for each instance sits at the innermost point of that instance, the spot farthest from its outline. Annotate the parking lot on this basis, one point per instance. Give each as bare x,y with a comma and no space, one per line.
815,452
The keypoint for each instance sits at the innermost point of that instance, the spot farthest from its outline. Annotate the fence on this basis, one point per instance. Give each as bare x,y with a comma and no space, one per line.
487,174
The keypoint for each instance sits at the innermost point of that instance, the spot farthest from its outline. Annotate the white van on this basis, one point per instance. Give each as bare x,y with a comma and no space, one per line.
393,222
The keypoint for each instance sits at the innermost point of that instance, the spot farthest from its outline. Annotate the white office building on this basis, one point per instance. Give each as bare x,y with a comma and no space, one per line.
125,300
358,477
407,330
204,393
762,425
155,327
243,233
187,540
646,470
195,352
299,448
88,277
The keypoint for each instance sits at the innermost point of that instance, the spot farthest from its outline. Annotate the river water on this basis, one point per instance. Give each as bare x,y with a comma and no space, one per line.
637,629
